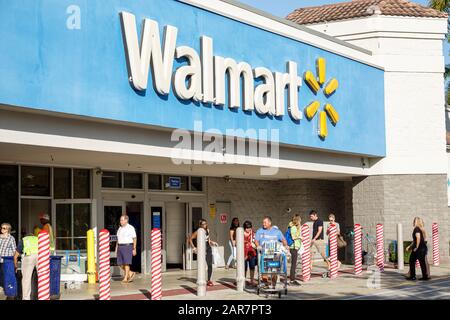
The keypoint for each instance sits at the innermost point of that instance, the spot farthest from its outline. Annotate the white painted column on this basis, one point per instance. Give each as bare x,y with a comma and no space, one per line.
400,258
240,260
201,262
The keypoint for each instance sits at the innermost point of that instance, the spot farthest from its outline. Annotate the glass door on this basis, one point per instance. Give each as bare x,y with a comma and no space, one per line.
195,213
112,210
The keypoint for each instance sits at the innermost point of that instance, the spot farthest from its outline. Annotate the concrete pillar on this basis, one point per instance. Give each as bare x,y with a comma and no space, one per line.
240,260
400,251
201,262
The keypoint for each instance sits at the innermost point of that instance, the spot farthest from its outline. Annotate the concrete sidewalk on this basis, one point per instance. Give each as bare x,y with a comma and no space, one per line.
180,284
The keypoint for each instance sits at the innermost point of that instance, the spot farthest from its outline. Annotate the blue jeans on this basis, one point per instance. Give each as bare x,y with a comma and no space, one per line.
1,275
250,263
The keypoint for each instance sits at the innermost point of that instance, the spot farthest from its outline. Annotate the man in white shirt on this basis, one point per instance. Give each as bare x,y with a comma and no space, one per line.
126,248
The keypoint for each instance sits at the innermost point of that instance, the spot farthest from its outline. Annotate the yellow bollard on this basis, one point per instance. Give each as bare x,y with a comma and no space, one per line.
91,257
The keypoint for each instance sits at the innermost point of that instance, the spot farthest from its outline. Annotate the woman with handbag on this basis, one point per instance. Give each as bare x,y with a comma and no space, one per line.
250,251
340,239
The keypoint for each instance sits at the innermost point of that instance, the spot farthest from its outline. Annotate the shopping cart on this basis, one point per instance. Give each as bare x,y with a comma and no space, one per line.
369,255
272,262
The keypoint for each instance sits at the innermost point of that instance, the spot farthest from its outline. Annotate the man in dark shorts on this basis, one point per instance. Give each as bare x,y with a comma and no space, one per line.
317,241
126,248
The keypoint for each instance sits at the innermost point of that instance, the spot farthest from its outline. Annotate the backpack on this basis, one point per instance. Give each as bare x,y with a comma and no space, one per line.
288,237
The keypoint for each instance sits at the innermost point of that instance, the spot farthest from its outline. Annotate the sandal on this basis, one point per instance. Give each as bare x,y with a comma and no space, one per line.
132,277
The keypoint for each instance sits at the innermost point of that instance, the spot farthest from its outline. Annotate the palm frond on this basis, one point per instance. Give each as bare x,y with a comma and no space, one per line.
441,5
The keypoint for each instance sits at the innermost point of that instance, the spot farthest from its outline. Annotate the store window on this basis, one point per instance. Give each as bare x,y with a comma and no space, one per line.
81,183
154,182
62,182
29,217
176,183
72,224
9,196
35,181
196,184
111,179
132,180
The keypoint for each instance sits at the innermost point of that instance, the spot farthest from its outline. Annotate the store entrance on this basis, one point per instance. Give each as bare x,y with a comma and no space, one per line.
175,232
112,211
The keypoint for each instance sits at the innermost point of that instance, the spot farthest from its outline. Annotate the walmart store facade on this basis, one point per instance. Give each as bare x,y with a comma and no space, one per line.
91,96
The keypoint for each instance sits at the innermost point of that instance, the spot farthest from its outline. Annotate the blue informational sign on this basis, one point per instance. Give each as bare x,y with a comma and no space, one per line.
156,220
273,264
174,182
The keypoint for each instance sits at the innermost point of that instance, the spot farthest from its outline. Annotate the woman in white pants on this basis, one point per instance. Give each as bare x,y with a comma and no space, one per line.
232,241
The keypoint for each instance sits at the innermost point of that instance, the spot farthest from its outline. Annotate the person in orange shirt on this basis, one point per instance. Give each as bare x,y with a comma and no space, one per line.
44,218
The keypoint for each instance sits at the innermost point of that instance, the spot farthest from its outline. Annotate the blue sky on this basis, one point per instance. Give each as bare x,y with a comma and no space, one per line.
282,7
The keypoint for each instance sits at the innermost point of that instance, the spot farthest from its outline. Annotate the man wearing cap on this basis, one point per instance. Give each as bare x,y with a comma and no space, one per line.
44,218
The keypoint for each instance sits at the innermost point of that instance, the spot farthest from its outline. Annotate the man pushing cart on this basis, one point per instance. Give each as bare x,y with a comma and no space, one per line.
272,258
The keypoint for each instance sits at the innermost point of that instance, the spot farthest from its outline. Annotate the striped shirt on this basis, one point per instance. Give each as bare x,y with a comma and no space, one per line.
7,247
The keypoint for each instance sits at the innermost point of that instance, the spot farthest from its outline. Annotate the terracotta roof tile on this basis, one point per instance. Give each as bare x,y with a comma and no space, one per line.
362,8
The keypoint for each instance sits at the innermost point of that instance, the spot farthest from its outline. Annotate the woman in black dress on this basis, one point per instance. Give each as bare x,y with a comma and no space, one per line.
209,258
418,250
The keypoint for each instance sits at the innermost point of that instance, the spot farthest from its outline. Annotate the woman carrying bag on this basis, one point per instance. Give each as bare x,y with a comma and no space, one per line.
340,239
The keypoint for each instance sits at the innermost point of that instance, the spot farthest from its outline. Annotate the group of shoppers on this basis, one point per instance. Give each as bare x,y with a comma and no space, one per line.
253,240
26,250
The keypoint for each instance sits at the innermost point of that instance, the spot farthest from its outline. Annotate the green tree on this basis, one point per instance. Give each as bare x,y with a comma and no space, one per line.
444,6
441,5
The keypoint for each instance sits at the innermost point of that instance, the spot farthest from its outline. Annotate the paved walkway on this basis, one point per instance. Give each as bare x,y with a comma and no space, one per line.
180,284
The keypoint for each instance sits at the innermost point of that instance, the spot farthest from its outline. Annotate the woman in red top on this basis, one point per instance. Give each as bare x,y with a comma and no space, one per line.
250,251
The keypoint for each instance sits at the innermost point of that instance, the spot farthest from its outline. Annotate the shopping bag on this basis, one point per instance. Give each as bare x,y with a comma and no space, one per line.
217,258
301,249
341,243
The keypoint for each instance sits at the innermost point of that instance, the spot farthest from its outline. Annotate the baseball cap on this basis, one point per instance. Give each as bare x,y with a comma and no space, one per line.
43,215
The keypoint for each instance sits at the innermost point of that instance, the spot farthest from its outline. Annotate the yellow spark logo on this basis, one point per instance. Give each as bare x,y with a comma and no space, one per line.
315,84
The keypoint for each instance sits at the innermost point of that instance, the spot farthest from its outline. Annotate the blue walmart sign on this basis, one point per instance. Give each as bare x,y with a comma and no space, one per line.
84,58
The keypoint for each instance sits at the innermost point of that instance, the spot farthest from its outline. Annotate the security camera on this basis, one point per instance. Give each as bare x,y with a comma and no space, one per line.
364,162
227,178
177,198
98,171
288,210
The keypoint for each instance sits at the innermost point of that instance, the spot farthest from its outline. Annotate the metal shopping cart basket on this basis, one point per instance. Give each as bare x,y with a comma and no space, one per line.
272,262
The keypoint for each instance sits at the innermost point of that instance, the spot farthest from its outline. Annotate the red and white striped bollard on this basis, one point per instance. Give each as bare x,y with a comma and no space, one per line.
43,265
380,247
104,274
306,255
358,249
435,233
156,290
333,252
